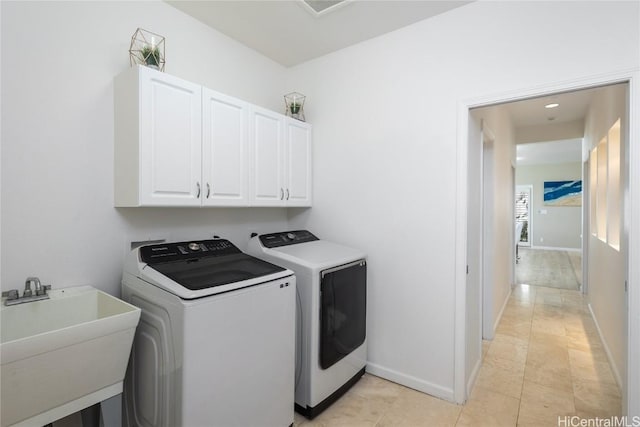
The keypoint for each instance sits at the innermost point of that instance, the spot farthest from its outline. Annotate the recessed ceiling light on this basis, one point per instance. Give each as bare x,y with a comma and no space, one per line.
552,105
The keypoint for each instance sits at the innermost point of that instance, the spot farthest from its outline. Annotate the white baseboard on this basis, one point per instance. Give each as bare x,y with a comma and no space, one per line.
411,382
474,375
553,248
614,368
504,306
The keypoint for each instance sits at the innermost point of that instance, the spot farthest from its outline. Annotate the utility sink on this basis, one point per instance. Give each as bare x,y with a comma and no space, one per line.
63,354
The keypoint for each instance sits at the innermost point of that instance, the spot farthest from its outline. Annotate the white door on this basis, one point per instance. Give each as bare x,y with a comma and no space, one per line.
298,152
267,144
523,213
170,140
224,150
488,237
473,355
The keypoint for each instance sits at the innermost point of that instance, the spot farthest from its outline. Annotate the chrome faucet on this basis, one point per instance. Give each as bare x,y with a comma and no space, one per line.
27,286
38,286
13,297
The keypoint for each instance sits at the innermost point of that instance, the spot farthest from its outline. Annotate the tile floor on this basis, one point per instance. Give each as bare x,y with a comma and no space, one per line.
549,268
545,361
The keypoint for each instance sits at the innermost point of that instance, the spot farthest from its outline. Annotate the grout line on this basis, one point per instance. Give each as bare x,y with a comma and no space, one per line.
533,310
573,269
573,390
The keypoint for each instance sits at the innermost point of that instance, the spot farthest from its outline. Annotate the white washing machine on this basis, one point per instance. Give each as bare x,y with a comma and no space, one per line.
331,280
215,345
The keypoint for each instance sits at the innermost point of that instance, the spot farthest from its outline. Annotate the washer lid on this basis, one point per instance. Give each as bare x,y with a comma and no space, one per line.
209,272
200,268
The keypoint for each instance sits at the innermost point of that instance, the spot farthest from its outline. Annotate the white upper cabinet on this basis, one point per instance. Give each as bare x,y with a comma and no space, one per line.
281,160
298,156
158,137
179,144
224,150
267,144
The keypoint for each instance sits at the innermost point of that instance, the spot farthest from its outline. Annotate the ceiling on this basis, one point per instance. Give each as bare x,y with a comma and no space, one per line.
543,123
531,112
536,153
290,32
573,106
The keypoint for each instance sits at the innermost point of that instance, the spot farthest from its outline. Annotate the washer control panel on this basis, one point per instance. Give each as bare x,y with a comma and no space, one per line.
286,238
167,252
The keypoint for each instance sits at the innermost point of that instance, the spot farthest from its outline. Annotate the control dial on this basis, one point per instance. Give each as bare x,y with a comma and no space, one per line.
194,246
291,236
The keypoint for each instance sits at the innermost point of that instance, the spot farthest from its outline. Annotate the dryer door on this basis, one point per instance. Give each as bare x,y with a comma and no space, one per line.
343,311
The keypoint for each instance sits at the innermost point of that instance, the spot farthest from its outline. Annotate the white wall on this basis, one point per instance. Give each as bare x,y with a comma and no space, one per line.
384,115
503,251
499,217
607,266
561,226
58,64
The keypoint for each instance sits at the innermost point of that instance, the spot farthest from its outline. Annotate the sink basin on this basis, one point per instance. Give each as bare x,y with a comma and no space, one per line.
63,354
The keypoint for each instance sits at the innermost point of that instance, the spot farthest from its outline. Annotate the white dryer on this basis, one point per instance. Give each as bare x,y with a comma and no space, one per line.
331,345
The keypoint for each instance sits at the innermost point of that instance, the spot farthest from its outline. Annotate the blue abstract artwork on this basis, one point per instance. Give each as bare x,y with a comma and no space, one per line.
563,193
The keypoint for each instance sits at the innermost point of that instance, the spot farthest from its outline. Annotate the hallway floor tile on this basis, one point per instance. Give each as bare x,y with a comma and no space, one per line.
546,361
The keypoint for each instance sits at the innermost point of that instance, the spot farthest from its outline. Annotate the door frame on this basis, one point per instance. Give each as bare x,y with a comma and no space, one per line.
630,76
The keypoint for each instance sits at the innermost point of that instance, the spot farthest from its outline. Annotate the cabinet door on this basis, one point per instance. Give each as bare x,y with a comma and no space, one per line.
224,162
267,186
298,158
170,140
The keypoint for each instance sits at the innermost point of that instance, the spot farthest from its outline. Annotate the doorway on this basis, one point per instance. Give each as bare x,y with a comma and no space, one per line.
632,390
549,193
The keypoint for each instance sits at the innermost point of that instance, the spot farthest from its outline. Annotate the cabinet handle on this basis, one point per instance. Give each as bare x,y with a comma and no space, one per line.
281,194
208,190
198,195
287,194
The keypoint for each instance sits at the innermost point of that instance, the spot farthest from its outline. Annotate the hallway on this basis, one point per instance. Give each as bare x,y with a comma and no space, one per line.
547,354
546,361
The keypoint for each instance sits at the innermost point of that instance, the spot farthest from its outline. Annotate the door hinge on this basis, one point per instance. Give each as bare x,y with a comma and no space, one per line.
467,269
626,286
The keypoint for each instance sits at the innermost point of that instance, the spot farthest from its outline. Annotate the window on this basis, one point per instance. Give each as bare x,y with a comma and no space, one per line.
523,209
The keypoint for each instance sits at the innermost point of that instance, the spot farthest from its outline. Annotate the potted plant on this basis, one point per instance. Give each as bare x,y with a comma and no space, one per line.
151,56
294,105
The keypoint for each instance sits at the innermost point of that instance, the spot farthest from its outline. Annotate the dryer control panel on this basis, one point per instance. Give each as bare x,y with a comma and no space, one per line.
286,238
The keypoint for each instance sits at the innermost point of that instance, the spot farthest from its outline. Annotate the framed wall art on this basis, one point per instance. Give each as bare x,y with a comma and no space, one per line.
563,193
